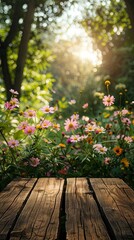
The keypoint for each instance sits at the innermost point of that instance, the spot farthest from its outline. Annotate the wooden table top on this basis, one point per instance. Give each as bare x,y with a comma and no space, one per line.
71,209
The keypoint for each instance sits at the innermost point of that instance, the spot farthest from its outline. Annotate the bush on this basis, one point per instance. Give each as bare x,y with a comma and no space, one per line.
39,144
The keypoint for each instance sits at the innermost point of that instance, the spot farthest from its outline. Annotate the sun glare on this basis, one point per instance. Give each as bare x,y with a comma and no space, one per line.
71,30
88,54
85,52
82,45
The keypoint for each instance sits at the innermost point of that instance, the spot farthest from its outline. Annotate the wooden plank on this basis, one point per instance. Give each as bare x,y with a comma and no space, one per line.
40,216
12,199
83,220
116,205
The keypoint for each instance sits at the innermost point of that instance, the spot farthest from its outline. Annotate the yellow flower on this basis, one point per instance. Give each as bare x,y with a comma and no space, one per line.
107,82
62,145
47,141
125,162
118,150
106,115
38,126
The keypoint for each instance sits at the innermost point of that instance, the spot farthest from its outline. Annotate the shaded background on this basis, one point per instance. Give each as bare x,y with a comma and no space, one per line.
59,50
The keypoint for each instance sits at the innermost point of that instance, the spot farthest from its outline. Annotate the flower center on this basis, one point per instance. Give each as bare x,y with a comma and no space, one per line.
70,125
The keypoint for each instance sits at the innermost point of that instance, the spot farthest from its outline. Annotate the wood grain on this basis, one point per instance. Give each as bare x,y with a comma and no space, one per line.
83,220
30,209
40,216
116,201
12,199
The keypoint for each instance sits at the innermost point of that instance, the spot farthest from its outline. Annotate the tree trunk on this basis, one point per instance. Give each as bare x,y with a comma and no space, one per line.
24,46
8,82
5,71
130,11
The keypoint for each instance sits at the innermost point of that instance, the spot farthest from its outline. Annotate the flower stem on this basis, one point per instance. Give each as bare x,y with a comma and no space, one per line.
107,89
13,157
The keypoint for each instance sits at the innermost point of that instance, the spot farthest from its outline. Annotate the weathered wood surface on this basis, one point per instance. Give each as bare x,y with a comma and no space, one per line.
40,217
83,217
11,203
96,209
116,201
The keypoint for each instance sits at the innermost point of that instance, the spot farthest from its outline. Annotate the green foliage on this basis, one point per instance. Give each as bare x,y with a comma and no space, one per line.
102,144
38,143
38,81
18,37
115,42
112,18
121,74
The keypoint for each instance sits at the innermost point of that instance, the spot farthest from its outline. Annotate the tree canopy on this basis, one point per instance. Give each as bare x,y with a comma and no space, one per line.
22,21
26,54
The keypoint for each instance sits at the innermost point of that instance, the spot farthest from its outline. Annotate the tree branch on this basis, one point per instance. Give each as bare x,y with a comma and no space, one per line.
15,22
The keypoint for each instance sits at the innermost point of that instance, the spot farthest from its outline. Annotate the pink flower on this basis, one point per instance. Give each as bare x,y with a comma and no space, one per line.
29,130
107,160
99,148
75,138
70,125
23,125
116,113
124,112
56,126
47,109
90,127
34,162
29,113
99,130
126,121
7,105
68,140
120,137
13,92
128,139
83,137
46,124
108,100
121,113
13,103
71,102
13,143
85,118
85,105
75,117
